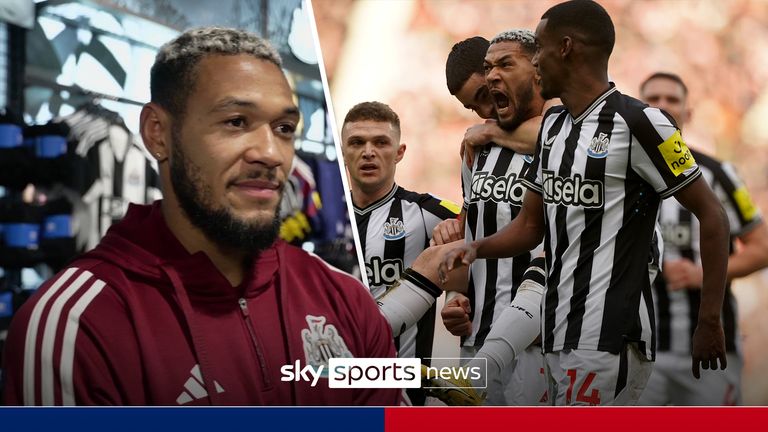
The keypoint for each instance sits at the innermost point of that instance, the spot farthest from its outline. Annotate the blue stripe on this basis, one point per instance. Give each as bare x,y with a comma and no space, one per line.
192,419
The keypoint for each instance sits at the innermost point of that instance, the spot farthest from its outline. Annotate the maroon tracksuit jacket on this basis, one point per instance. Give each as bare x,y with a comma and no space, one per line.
140,321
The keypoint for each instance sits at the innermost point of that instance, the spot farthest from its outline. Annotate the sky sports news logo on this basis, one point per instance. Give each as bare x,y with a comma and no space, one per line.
359,373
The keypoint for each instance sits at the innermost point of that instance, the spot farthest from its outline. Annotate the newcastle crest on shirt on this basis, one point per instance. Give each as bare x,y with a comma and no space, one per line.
321,342
598,148
394,229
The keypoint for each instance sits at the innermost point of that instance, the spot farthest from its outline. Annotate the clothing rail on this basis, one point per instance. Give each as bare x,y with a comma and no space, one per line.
32,79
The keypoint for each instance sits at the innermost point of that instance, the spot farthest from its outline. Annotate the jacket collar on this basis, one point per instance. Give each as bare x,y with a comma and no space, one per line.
144,236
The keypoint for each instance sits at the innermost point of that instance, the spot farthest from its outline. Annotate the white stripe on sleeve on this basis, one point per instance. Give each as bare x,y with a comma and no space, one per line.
49,338
68,345
30,343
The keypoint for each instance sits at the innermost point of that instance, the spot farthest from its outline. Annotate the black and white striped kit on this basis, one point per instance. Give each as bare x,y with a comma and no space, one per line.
493,195
393,232
602,176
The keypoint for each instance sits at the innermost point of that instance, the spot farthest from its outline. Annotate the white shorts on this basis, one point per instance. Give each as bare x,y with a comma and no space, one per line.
496,385
527,385
673,383
586,377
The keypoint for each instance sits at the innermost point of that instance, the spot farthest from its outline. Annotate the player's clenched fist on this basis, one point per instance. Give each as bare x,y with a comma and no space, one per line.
462,255
455,315
446,232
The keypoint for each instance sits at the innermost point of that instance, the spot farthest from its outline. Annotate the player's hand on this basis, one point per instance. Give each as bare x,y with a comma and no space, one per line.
460,256
708,347
455,315
479,134
476,136
682,274
447,231
429,260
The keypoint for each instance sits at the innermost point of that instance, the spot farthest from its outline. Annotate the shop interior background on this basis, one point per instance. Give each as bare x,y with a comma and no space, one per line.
59,57
395,52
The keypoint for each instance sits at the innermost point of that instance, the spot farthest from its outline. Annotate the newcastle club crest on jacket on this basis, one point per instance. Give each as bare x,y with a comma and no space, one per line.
598,148
321,342
394,229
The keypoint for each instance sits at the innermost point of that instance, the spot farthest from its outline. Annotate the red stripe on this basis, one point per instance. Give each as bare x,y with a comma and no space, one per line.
592,419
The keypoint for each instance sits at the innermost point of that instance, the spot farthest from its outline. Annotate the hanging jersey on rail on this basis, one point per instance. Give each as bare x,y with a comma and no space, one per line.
120,169
123,175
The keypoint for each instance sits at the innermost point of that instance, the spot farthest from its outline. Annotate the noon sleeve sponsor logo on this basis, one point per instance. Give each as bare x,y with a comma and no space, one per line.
676,154
746,207
572,191
504,189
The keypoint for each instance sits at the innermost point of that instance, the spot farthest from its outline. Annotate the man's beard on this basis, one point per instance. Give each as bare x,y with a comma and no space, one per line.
219,225
524,99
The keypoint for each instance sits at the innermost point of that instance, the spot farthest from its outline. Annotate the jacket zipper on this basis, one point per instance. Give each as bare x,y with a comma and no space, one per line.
252,333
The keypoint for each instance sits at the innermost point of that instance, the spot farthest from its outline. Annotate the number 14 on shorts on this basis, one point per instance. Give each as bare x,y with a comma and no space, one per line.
593,398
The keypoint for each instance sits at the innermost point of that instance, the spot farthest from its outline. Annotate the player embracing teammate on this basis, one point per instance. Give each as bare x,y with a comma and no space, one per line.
603,163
